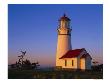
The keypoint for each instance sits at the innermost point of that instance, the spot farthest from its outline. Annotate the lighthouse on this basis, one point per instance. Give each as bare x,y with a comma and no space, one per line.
67,58
64,39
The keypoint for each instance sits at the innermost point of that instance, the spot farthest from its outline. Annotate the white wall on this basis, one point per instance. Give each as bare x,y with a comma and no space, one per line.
63,45
85,63
69,63
88,63
82,63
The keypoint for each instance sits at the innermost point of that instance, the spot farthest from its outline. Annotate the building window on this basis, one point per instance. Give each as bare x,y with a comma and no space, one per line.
72,62
65,62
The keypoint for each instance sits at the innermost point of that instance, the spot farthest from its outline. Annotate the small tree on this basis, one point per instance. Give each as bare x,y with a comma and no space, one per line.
25,64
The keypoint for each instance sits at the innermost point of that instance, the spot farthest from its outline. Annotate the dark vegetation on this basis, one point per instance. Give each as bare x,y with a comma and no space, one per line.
53,74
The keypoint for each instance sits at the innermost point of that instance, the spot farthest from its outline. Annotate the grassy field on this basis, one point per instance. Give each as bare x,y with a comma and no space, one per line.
64,74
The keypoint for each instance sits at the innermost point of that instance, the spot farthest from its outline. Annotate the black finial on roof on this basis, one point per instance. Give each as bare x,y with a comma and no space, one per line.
64,15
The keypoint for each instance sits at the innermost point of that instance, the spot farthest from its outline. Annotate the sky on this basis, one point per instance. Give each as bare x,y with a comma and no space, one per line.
33,28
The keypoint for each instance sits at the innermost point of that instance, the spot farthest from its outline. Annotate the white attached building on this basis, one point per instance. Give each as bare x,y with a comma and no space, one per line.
76,59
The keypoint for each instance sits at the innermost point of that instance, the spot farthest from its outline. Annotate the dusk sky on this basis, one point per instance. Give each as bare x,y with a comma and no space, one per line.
34,28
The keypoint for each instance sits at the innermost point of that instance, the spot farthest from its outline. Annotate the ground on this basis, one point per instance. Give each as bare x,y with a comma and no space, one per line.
65,74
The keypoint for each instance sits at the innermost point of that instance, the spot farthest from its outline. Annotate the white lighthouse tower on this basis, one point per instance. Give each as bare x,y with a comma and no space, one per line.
64,39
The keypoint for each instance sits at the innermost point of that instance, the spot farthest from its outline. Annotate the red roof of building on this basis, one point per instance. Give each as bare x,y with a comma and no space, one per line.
72,53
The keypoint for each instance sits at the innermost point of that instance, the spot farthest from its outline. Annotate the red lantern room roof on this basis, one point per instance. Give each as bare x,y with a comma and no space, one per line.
64,17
